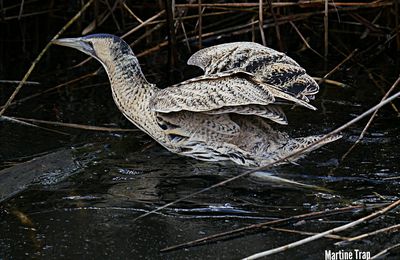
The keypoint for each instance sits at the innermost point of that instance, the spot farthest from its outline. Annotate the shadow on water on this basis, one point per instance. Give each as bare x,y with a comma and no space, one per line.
90,186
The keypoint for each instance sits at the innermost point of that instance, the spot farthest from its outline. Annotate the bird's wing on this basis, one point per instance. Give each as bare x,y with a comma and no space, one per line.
272,112
265,64
216,91
228,56
199,126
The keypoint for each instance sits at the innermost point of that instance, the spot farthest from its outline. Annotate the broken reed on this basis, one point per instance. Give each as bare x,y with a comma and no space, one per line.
273,23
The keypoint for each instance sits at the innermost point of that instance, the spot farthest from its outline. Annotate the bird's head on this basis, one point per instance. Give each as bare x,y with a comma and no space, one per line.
103,47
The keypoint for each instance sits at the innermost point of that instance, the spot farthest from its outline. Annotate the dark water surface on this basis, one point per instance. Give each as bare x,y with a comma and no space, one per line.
87,211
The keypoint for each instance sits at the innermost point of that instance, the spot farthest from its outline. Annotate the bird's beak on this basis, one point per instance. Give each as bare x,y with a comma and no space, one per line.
76,43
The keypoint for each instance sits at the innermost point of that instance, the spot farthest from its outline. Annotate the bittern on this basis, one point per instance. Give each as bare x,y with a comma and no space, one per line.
225,114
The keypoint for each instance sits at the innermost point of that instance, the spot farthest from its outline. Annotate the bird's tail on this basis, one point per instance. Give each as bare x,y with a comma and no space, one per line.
296,148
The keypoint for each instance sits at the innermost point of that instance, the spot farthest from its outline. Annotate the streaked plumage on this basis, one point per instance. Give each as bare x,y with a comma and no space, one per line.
226,114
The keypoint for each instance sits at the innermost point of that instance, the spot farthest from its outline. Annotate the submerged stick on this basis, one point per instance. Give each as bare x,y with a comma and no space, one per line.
39,57
301,151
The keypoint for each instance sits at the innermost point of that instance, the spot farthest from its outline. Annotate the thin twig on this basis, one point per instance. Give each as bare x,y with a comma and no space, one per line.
331,82
295,3
132,13
385,251
143,24
18,121
361,136
21,10
277,30
72,125
200,11
304,233
326,30
18,82
19,101
396,20
309,215
304,40
261,22
386,229
338,66
28,73
323,234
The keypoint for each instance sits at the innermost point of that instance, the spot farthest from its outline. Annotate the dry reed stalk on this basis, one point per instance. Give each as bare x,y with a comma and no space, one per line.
338,66
152,49
331,82
361,136
277,30
304,233
302,4
21,9
143,24
326,29
373,233
19,101
396,17
306,216
304,40
240,29
371,76
132,13
18,82
147,34
100,19
261,22
16,120
172,54
200,23
17,17
196,16
323,234
111,11
72,125
384,252
8,8
38,58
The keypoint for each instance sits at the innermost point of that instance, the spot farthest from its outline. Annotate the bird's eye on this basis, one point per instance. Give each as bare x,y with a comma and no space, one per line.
90,44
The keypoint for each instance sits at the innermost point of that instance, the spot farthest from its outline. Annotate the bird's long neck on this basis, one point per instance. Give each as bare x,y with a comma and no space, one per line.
130,89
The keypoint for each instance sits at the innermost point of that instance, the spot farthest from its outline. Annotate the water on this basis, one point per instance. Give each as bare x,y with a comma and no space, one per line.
119,176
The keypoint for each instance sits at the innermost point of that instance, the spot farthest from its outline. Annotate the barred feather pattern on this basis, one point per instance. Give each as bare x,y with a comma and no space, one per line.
228,114
267,65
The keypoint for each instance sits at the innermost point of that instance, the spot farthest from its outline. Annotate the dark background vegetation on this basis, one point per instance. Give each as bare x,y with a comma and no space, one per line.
354,44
